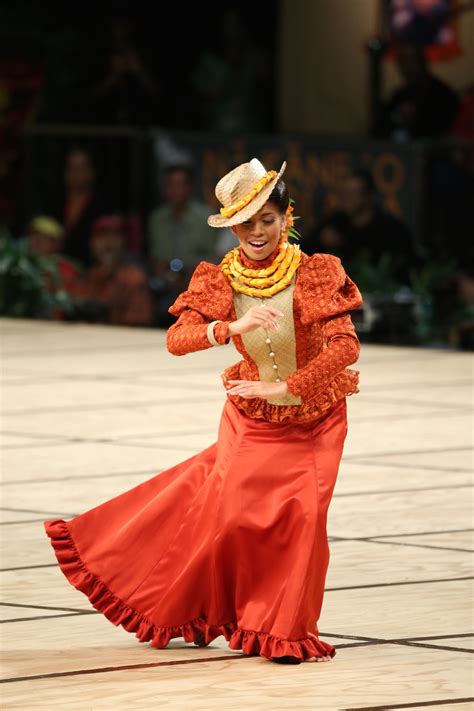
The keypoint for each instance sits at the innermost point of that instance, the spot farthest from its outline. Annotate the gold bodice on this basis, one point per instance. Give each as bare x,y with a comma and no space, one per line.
274,352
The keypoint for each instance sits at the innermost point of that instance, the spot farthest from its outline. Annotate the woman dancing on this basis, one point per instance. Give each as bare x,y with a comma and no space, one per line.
233,540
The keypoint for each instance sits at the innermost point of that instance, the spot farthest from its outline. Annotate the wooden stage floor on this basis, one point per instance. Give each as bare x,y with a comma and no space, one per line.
91,411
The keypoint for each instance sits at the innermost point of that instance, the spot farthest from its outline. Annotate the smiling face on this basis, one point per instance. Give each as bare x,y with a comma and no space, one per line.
259,235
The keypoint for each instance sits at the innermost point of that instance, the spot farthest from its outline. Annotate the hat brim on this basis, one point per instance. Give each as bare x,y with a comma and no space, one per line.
254,205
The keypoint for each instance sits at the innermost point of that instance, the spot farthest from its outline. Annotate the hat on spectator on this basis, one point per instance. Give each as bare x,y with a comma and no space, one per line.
243,191
47,226
108,223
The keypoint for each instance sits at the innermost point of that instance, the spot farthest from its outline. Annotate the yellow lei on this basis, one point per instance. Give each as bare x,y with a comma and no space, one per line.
262,282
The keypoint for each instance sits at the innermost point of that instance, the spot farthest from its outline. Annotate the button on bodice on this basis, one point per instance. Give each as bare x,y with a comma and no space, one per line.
274,352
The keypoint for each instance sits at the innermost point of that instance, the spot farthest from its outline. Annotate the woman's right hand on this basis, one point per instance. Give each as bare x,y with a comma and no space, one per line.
256,316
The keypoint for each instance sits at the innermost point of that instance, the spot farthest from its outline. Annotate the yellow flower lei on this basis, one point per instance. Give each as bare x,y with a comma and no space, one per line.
262,282
258,187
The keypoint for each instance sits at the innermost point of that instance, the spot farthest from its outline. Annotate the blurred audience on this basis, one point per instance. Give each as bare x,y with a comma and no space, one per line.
44,237
178,238
447,235
360,232
424,106
115,288
79,205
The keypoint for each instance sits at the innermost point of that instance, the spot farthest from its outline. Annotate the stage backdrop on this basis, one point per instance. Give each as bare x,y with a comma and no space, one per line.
315,172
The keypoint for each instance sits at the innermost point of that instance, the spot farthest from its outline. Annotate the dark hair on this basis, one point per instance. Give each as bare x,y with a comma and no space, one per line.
365,177
280,196
185,168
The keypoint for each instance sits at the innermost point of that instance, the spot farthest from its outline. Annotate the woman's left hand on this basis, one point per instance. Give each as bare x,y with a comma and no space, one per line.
256,388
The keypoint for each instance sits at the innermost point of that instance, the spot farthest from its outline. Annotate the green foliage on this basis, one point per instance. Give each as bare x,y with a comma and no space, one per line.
373,279
439,311
22,282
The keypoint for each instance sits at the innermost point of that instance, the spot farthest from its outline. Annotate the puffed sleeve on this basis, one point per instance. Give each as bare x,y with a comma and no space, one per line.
328,296
207,298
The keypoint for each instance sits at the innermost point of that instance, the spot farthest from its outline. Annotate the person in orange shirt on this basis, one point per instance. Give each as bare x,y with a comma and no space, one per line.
114,290
232,541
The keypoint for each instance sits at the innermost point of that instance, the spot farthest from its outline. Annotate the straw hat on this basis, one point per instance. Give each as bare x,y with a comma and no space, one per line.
243,191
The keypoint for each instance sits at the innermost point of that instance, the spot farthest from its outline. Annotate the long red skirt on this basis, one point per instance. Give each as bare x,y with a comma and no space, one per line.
231,541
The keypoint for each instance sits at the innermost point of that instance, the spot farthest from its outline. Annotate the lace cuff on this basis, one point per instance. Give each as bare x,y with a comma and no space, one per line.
328,295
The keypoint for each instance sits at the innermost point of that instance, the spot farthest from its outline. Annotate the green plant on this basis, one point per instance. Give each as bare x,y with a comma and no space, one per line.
23,280
373,279
430,276
440,309
438,312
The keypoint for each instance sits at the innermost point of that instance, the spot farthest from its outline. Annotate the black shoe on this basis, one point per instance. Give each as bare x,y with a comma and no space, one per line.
286,660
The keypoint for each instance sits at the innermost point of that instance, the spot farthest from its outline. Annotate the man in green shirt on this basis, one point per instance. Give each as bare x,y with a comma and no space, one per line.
178,239
178,229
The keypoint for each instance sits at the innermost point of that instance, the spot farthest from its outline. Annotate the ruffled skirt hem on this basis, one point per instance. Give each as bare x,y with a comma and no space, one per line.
251,642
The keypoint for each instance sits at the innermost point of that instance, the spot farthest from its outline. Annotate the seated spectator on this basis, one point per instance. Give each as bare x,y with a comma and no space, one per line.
178,229
80,204
45,239
115,290
360,232
178,238
423,107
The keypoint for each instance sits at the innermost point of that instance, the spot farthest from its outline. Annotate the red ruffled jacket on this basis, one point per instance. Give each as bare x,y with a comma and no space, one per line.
326,341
